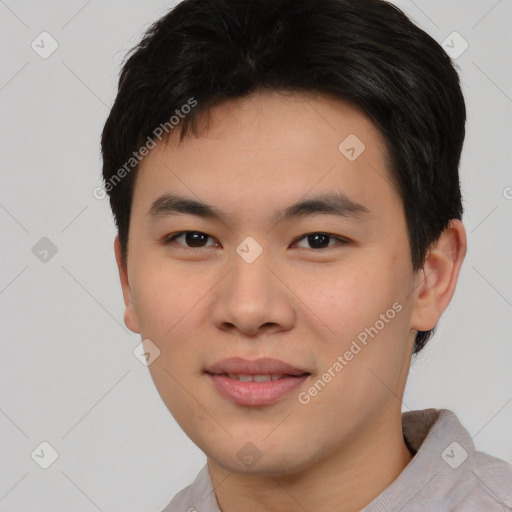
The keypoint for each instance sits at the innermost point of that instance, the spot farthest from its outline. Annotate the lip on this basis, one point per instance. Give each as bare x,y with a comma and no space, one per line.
255,393
260,366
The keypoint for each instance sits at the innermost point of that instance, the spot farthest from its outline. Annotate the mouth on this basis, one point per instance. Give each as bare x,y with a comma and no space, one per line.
257,382
263,377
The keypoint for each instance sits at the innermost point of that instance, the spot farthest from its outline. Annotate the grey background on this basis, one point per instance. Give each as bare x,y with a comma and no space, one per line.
68,373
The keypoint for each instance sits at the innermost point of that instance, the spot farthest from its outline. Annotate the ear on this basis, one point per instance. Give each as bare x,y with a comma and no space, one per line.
437,278
130,314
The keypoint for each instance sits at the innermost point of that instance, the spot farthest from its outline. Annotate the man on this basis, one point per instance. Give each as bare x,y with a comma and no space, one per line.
284,179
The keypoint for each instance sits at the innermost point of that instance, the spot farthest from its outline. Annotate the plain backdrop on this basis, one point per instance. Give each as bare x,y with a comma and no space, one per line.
69,376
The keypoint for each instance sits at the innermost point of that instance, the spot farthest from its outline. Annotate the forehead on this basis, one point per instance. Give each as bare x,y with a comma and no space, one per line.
273,148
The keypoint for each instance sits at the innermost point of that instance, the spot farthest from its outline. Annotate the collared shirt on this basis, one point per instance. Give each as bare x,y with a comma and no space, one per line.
446,474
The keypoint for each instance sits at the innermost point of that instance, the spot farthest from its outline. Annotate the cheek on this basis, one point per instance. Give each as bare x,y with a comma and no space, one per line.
367,311
348,298
171,301
167,304
163,294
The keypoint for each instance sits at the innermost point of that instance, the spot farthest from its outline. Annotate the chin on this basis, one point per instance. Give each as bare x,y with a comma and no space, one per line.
274,464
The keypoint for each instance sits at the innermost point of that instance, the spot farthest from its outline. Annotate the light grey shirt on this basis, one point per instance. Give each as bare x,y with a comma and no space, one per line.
446,474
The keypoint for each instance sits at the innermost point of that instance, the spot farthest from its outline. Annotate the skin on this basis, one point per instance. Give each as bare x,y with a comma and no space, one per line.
295,302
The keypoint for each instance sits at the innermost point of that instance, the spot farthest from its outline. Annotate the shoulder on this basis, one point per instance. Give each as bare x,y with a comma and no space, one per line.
181,501
492,478
199,495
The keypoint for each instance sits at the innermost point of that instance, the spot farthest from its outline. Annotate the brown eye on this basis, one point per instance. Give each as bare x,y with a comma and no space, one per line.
192,239
321,240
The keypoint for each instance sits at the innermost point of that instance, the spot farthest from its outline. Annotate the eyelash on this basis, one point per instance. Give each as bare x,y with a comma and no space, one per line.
171,238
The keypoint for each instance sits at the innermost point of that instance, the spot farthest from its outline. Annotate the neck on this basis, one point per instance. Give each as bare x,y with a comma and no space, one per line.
346,481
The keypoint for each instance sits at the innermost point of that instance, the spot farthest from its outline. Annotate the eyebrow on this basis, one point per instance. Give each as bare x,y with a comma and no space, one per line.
332,203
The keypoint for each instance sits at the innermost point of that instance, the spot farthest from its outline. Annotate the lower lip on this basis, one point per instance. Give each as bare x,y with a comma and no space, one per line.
255,393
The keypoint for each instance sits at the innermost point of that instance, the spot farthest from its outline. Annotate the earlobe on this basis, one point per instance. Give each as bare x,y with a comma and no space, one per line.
130,314
438,277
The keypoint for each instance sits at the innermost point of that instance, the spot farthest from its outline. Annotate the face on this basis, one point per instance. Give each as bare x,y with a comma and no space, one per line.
326,288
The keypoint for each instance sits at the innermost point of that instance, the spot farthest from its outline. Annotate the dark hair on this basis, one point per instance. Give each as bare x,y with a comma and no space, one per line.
365,52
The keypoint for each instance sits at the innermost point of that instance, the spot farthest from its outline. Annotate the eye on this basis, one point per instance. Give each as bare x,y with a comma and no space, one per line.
193,239
197,239
321,240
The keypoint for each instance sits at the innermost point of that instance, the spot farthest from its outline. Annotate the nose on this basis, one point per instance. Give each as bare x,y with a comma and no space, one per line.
253,299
